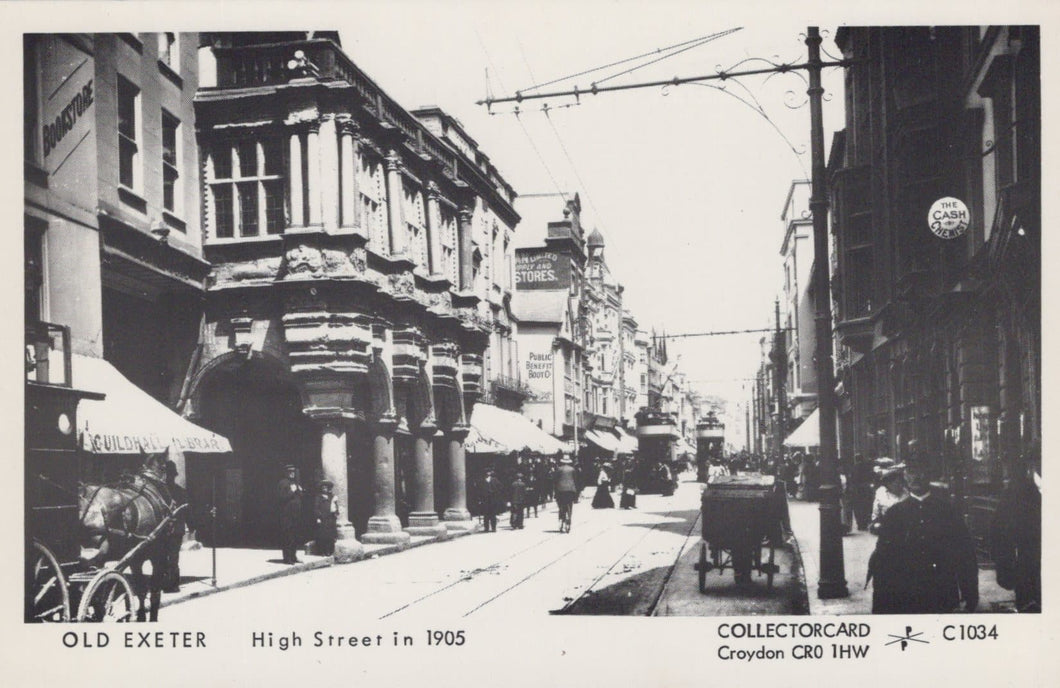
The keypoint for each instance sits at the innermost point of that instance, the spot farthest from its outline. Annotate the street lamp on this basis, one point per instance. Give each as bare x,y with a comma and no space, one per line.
832,583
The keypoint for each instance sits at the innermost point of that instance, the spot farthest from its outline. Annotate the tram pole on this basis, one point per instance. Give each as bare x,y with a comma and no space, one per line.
832,583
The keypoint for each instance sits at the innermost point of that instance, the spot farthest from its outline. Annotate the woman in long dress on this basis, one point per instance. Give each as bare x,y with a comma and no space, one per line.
602,499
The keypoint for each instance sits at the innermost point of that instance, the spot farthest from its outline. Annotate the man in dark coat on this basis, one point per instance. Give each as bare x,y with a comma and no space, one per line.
492,501
1016,536
518,502
175,537
924,561
289,494
325,518
860,487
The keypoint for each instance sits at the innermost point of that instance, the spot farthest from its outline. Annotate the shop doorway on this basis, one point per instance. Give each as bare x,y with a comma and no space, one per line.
261,414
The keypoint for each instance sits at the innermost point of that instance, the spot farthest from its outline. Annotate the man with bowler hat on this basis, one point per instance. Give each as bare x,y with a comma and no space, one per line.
289,494
924,562
518,501
325,516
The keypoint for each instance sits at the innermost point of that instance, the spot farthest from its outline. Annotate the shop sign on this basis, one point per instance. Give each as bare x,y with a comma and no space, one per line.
980,433
537,269
948,218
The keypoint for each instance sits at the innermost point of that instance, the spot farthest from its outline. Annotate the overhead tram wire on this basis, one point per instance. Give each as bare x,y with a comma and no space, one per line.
584,187
701,39
541,158
716,333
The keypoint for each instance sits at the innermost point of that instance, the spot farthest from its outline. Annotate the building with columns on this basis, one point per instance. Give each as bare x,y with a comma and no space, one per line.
358,255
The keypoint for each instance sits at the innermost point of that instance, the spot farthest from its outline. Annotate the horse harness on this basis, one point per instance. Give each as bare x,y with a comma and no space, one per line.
151,490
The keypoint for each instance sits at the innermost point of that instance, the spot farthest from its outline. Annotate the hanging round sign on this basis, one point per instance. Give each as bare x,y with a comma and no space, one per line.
948,218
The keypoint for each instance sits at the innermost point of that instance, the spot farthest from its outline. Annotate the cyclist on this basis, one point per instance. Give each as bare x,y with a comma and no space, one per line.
566,490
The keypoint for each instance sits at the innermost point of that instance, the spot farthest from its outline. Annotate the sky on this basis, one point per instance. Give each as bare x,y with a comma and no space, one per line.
687,183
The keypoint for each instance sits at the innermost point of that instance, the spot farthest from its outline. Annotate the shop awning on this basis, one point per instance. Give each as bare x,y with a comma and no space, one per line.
808,434
131,421
627,443
501,431
602,439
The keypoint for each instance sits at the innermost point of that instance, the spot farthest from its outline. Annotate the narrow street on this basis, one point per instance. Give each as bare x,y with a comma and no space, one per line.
614,562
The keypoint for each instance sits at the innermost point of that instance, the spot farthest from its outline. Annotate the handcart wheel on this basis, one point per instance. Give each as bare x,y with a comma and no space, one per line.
702,570
48,595
108,597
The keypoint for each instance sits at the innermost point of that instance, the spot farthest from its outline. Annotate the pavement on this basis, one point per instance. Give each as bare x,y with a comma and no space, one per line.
205,571
857,548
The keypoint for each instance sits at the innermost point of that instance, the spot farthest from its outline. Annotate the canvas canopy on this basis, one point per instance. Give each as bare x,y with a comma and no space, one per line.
131,421
498,430
807,434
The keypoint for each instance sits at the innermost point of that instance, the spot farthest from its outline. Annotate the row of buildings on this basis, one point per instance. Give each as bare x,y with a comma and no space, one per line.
248,228
936,305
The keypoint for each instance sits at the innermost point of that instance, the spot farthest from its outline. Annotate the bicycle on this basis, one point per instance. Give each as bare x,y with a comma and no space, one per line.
566,508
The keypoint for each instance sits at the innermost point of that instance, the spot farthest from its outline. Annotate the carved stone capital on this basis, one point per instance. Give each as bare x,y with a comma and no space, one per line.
393,161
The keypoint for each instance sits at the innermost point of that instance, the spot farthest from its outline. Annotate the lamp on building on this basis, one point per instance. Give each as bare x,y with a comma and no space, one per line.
160,230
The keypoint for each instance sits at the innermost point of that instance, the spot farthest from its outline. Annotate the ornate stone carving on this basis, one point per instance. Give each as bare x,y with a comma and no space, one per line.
305,259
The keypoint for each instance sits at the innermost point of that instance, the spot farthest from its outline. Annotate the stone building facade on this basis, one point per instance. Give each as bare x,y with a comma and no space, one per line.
939,337
357,279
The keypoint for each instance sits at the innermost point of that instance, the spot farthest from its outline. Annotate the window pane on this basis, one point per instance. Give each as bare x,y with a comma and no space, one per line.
169,138
222,162
248,159
248,209
275,217
273,151
169,182
222,210
126,162
127,93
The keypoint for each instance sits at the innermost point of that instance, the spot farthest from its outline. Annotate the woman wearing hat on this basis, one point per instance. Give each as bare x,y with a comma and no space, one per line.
890,492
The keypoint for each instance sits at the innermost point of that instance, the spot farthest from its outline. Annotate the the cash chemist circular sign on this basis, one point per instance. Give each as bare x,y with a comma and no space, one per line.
948,218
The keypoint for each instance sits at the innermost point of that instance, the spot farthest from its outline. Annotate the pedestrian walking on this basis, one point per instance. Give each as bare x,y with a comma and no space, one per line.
519,493
492,501
602,499
1016,535
289,494
924,562
325,516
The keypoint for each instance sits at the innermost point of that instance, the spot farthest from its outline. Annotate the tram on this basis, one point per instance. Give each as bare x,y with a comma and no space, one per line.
710,444
657,466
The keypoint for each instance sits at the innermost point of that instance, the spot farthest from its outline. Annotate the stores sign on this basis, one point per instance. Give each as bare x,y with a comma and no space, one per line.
541,270
948,218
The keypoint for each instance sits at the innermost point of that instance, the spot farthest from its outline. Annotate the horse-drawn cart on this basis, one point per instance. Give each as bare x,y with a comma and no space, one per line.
741,515
61,583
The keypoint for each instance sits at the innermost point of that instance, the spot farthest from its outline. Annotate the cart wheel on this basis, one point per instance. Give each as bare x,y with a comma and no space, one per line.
771,569
47,593
108,597
703,568
716,552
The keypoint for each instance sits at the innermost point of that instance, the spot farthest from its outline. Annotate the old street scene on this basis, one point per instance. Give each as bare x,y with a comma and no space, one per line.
679,320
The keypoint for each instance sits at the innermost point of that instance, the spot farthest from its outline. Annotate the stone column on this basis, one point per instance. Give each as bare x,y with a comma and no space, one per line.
295,180
333,460
349,162
313,188
423,517
329,173
465,215
395,193
434,229
457,517
384,527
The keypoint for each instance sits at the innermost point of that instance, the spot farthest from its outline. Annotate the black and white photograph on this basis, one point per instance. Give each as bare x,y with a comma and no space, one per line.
642,341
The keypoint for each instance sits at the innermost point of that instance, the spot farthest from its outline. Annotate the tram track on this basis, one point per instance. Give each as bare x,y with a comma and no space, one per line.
471,575
590,589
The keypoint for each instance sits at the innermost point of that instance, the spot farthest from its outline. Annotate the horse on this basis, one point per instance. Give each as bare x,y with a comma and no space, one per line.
116,518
